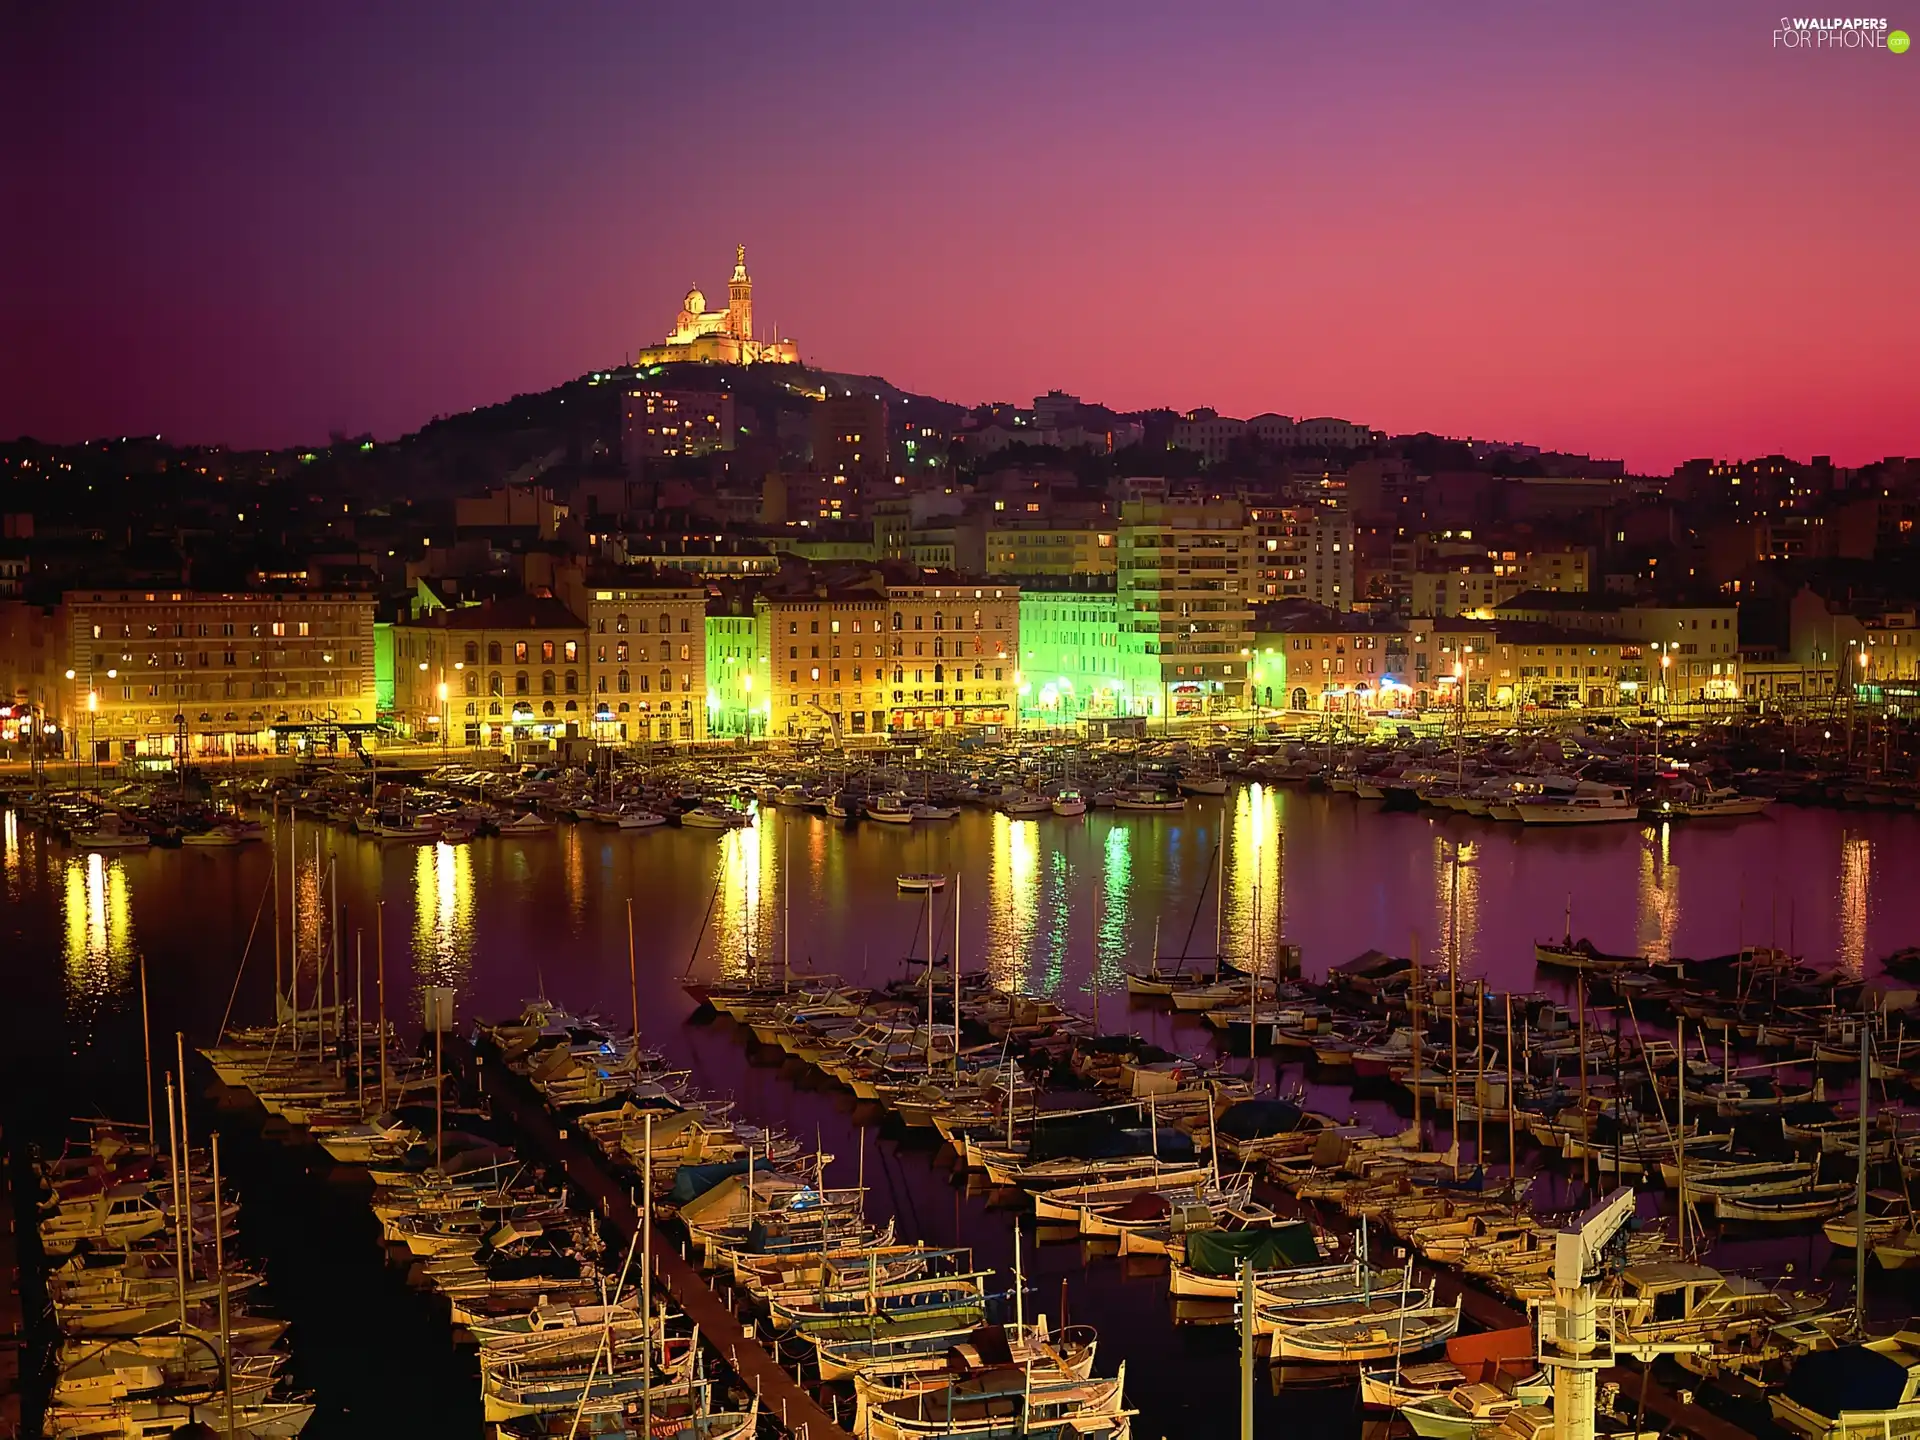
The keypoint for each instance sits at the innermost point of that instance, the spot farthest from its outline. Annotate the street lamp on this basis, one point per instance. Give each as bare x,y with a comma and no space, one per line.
1666,664
443,717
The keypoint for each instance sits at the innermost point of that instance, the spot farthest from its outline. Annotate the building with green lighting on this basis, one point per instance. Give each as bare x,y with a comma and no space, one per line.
1069,649
736,684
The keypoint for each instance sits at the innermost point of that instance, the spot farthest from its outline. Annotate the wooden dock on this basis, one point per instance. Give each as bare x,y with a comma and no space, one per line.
781,1396
12,1311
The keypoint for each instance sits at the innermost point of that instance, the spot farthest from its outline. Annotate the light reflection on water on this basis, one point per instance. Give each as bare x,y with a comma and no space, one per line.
97,911
443,902
1456,902
10,851
1856,870
1659,892
1255,874
1012,905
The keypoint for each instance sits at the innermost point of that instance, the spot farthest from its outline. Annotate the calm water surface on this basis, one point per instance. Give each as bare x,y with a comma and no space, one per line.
1044,905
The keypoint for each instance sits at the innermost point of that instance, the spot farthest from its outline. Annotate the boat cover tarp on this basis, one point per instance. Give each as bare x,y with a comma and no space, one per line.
1370,964
1481,1357
1850,1378
690,1182
1220,1252
1104,1135
1143,1207
1255,1119
717,1201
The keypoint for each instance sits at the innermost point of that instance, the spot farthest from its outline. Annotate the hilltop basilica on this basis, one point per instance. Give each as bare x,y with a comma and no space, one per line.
722,337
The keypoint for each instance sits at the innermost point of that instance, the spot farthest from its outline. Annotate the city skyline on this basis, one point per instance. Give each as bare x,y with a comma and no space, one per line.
1622,233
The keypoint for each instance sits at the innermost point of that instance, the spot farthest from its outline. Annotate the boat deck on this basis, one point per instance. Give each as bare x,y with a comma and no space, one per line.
513,1099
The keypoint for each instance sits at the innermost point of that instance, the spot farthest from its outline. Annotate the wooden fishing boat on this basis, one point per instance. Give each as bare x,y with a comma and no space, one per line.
1816,1202
1350,1342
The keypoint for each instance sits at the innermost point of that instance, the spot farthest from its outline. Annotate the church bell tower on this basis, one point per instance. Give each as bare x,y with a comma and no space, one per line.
740,298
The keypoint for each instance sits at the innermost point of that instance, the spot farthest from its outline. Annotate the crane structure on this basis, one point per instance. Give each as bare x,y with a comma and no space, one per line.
839,734
1585,1253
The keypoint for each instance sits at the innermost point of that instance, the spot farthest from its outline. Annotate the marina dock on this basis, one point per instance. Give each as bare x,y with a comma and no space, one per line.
514,1103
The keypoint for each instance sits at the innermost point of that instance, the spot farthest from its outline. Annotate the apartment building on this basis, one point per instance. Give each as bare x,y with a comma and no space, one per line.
153,672
1303,552
888,653
647,658
506,670
1184,598
1069,650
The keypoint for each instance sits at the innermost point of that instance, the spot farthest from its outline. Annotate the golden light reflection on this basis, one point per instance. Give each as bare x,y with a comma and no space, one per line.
10,850
1255,883
1011,899
311,931
98,915
746,925
443,914
1856,868
1456,901
573,870
1659,893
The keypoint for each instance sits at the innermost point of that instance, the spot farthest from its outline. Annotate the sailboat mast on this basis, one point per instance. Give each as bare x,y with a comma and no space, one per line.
1246,1350
380,992
293,930
146,1036
220,1273
1413,996
1453,1014
184,1216
1513,1156
633,984
1093,960
956,972
359,1028
646,1276
1860,1193
1253,991
929,981
1480,1080
278,989
179,1232
1219,897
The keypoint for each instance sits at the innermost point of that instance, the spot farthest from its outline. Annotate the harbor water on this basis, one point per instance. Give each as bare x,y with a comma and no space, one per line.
1044,905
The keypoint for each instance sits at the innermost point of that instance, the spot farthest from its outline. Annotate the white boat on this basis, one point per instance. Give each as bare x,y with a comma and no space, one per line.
715,816
111,834
1881,1378
407,830
889,810
1722,802
936,812
920,880
1026,803
529,823
1203,785
642,819
1149,799
219,835
1597,806
1069,803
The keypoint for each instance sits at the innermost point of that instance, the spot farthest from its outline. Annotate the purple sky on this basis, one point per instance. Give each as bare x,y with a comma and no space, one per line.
1632,229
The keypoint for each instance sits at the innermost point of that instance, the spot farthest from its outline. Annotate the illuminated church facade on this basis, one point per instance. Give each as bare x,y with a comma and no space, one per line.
720,337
